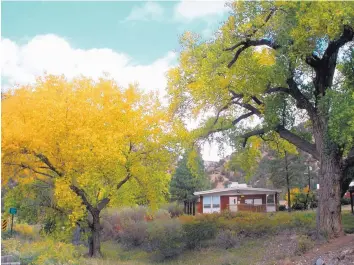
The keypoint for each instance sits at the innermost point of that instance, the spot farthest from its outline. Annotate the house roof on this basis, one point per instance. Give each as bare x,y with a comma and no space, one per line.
238,190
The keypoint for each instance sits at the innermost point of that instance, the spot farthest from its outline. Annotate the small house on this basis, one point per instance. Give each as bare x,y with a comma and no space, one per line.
237,197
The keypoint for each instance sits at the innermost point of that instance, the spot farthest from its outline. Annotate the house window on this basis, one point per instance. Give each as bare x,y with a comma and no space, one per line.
257,201
216,201
270,199
207,202
249,201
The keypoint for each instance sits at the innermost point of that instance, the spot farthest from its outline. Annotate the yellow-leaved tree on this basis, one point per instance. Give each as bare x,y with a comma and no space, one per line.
95,143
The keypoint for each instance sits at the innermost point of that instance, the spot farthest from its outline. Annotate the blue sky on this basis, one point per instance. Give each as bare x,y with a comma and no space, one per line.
129,40
143,31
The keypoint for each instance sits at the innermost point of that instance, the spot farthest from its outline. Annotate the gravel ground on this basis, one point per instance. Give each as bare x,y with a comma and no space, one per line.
339,251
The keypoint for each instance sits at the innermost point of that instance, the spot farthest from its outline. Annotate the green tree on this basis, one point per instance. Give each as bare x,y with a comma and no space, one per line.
271,58
186,181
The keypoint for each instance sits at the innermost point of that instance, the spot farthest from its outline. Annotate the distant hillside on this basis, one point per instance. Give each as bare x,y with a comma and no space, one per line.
220,176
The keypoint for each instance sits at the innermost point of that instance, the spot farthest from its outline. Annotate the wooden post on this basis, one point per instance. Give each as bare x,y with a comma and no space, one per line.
12,221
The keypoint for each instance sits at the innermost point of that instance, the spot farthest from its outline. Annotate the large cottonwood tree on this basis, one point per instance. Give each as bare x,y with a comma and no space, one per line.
95,143
272,60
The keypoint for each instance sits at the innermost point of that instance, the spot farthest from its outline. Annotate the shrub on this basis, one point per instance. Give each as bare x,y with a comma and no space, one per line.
298,206
186,219
25,230
174,209
165,238
43,252
313,204
303,245
114,223
227,214
345,201
162,214
135,214
111,225
226,239
133,234
303,220
282,208
198,231
109,230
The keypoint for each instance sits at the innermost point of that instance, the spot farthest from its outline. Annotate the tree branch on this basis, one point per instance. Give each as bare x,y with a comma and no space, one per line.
268,17
252,133
221,110
235,46
242,117
24,166
103,203
277,89
349,161
120,184
250,43
293,90
299,142
81,193
333,46
249,107
289,136
255,99
44,159
301,101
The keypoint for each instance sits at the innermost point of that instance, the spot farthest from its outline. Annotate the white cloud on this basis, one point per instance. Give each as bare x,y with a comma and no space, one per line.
20,64
147,11
187,10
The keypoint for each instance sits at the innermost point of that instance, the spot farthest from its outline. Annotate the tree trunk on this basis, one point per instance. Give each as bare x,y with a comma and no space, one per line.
287,181
330,221
94,240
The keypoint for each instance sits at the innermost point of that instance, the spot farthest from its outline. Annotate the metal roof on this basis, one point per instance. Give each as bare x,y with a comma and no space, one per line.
240,189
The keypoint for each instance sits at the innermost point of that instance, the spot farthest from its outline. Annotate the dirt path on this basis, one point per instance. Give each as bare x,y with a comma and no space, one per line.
339,251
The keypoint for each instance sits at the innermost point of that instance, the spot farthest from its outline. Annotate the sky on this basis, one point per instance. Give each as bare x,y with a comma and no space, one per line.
131,41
